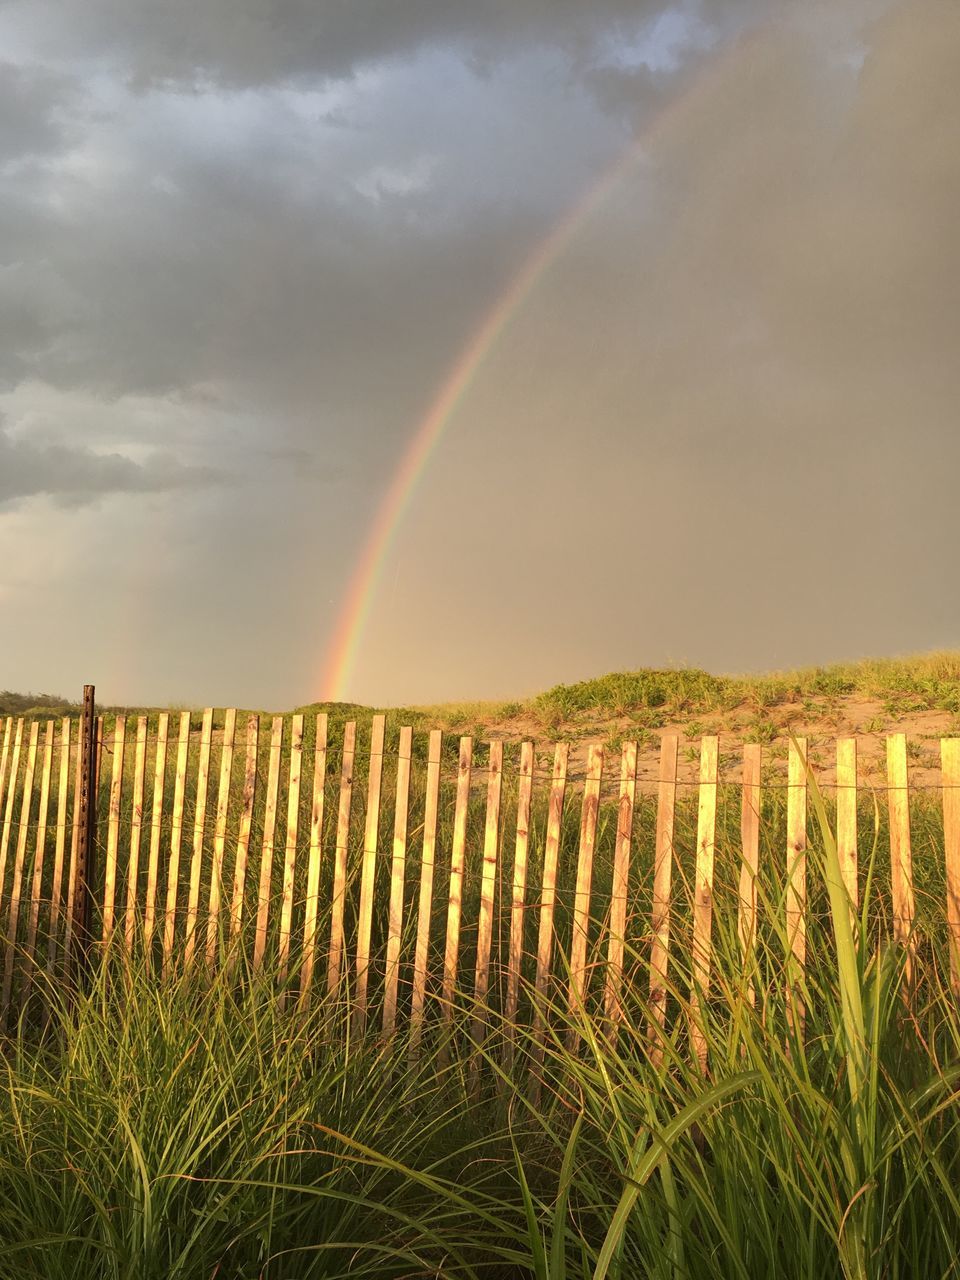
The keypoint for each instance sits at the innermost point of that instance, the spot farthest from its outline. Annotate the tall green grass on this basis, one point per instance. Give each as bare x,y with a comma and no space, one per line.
922,682
185,1128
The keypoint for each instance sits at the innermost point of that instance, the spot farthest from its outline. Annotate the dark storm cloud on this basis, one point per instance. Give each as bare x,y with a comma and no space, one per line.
33,106
74,476
253,238
241,247
243,43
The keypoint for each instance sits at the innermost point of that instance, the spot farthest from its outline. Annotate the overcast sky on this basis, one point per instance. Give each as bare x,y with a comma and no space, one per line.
243,243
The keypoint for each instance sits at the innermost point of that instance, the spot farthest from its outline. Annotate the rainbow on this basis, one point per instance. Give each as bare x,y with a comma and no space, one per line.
362,588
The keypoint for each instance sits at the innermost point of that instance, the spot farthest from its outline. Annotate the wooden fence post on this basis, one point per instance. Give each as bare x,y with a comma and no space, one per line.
750,862
662,872
86,866
702,955
579,943
796,887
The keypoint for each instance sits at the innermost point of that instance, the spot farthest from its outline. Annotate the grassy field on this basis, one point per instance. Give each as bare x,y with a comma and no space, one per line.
194,1128
649,699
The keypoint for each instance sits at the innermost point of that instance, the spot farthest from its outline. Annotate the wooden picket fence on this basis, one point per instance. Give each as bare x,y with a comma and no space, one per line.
195,873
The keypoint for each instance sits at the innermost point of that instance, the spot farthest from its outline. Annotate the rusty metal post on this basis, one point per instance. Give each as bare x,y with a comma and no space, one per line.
86,870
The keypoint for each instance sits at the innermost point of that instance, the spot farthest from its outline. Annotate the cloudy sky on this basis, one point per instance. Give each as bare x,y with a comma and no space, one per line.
243,244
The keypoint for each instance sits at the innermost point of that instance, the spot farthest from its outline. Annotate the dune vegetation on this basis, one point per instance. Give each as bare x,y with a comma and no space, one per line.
194,1127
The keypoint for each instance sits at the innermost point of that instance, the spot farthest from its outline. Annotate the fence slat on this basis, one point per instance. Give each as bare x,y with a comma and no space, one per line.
136,831
4,757
425,906
156,828
397,874
243,833
99,743
220,834
290,850
702,955
662,876
455,896
847,817
176,840
199,826
26,803
581,900
267,844
63,791
368,870
796,893
488,888
5,752
619,890
113,828
548,900
74,856
518,899
39,850
749,861
901,857
950,765
313,867
11,795
339,894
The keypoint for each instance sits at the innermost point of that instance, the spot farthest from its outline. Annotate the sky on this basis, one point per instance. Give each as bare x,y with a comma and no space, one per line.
692,268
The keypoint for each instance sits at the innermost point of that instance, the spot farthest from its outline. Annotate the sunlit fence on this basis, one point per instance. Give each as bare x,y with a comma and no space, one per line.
428,886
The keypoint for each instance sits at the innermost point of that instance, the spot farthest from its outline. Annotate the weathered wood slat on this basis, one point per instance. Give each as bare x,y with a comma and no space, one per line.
662,877
156,828
488,887
13,918
397,876
136,832
199,828
796,891
950,765
242,856
548,900
312,905
619,891
113,829
39,850
290,849
74,858
4,757
265,888
99,740
702,954
421,958
579,944
63,793
11,796
847,817
176,840
457,860
901,856
215,894
341,854
518,899
368,869
749,861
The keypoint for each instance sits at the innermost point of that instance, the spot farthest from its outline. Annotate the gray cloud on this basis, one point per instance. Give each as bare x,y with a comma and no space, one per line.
255,238
243,43
74,476
33,107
